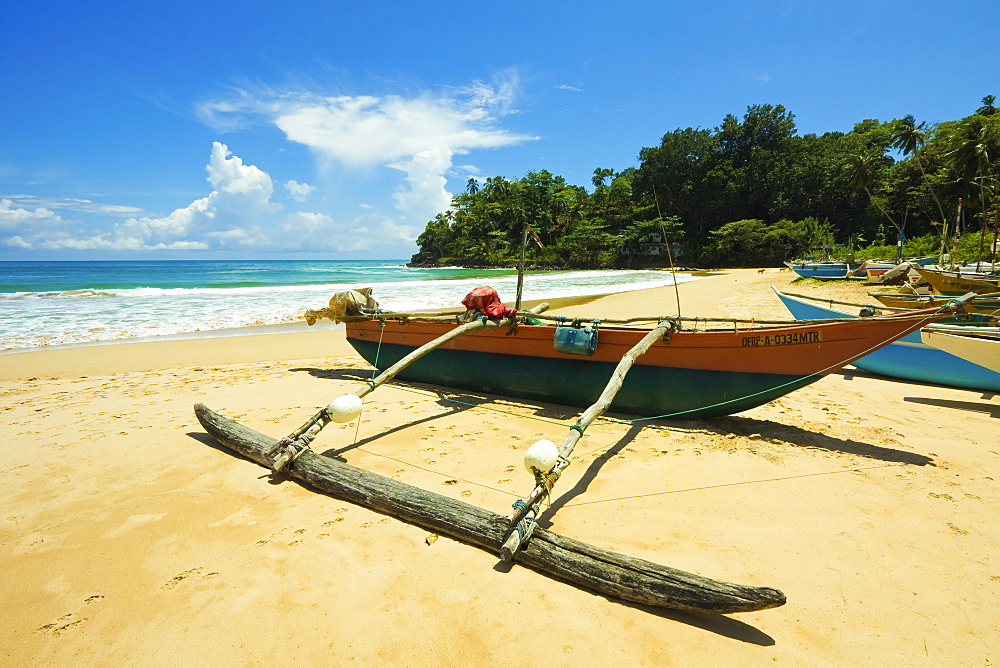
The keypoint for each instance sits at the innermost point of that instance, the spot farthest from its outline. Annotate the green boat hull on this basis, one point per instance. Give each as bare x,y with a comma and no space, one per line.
648,391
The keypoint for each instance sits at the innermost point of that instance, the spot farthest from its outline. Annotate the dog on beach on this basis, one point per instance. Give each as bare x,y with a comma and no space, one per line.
760,271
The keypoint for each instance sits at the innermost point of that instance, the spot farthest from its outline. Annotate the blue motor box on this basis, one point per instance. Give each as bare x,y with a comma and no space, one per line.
576,340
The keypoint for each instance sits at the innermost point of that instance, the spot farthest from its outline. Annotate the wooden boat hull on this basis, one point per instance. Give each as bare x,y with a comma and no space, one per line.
981,350
984,305
956,283
697,374
908,357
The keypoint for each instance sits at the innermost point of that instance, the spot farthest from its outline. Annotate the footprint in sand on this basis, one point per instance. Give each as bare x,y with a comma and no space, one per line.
450,482
957,530
466,492
265,541
332,522
196,573
510,469
60,626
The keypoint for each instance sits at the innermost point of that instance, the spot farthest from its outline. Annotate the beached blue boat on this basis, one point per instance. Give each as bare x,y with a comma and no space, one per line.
822,270
829,269
908,358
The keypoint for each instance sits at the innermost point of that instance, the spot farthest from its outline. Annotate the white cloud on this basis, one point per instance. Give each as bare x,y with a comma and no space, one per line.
231,215
424,174
17,241
14,218
568,87
119,243
230,175
73,204
418,135
299,191
365,131
235,214
311,223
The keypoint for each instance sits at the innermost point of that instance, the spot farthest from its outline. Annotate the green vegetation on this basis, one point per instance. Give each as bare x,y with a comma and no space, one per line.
750,192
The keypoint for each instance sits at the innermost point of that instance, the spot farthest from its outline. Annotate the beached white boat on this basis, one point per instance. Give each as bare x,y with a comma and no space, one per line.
981,350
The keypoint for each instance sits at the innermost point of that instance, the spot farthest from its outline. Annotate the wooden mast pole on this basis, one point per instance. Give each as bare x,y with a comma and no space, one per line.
520,263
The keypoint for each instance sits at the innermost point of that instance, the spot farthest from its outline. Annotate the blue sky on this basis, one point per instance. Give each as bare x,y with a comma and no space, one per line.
337,130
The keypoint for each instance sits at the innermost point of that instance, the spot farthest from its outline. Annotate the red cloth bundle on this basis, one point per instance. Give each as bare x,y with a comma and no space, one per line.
486,300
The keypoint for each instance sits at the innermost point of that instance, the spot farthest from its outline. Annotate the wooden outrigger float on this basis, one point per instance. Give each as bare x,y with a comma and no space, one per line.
821,347
602,571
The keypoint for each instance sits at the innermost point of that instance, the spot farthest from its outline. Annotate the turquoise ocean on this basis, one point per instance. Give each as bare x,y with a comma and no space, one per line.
57,303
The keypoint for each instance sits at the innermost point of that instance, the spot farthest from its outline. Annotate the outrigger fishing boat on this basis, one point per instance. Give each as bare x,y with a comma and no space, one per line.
666,369
824,270
909,357
982,304
970,346
951,283
688,374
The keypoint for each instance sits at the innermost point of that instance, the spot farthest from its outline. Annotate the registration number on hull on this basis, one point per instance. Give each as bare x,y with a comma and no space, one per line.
786,339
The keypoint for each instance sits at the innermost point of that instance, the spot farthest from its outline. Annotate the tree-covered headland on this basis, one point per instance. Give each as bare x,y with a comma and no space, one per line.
750,192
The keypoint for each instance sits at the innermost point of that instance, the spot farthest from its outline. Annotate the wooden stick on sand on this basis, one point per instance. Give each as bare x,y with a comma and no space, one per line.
522,520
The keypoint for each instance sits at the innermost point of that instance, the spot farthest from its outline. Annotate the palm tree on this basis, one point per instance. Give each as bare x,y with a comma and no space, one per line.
861,170
909,137
601,175
971,144
987,109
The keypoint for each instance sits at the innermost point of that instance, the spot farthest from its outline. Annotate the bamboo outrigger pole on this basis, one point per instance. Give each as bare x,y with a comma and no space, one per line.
522,520
347,407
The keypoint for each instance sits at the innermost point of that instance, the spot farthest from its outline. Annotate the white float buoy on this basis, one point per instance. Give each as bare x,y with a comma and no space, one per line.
541,456
345,408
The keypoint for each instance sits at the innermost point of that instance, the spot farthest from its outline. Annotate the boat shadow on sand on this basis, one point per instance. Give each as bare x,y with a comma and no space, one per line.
993,410
755,429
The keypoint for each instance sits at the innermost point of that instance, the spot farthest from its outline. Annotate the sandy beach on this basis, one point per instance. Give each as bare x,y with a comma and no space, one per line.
130,538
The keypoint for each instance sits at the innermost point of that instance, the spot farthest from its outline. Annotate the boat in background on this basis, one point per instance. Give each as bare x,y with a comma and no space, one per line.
877,269
955,283
869,269
981,350
907,357
823,270
901,300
